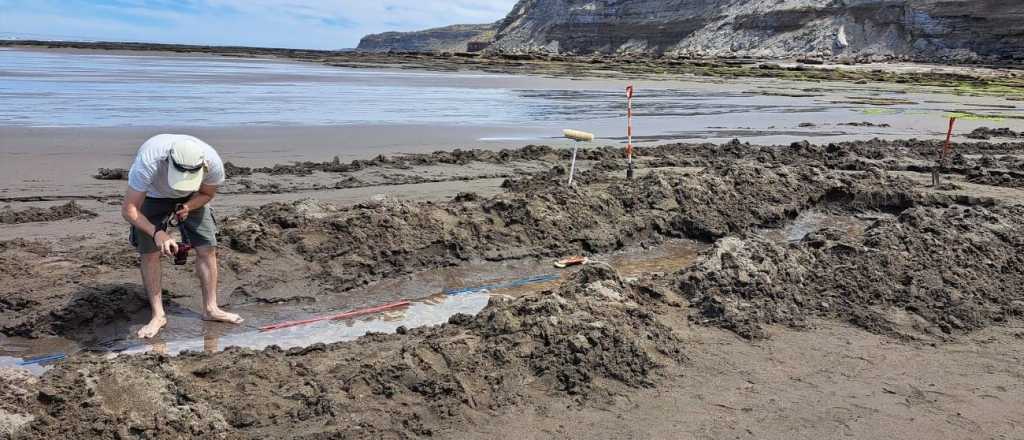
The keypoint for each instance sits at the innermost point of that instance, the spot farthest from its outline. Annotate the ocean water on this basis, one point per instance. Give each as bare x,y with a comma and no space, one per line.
113,89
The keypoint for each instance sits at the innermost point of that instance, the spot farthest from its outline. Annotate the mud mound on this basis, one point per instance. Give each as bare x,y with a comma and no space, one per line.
1008,179
986,133
88,308
406,161
14,257
111,174
590,339
732,199
891,155
542,217
232,170
66,211
865,124
941,271
856,155
16,398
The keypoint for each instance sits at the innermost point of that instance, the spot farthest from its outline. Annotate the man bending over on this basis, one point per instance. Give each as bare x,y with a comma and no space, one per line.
171,181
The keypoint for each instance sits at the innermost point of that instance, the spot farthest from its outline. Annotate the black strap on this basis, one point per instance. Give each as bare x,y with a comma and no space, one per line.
171,220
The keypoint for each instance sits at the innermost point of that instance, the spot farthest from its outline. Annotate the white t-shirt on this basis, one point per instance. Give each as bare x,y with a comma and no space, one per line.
149,171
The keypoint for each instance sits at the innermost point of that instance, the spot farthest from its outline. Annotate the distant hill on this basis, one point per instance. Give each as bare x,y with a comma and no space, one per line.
920,29
444,39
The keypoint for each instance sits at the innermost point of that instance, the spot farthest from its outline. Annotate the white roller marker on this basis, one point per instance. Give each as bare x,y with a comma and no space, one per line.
578,136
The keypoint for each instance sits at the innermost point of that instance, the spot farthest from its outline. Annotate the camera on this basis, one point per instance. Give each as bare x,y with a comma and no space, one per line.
181,257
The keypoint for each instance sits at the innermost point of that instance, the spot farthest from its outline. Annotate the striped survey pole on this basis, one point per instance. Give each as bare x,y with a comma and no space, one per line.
629,131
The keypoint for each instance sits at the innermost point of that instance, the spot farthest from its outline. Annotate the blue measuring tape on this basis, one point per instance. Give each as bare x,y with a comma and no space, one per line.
43,360
506,285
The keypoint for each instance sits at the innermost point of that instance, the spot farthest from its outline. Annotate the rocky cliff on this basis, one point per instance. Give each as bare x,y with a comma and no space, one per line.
768,28
931,29
444,39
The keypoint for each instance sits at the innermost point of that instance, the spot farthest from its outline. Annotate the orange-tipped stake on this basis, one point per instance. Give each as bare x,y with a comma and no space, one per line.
943,154
629,131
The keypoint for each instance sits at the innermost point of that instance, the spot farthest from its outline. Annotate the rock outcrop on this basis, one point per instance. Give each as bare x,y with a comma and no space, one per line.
453,38
918,29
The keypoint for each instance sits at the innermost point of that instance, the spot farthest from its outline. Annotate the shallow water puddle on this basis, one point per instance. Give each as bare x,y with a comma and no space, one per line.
431,311
430,305
34,355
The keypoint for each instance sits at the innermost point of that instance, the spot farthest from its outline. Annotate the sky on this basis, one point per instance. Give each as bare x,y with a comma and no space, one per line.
308,24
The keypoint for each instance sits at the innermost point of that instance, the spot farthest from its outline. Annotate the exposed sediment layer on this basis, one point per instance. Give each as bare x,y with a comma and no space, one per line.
867,29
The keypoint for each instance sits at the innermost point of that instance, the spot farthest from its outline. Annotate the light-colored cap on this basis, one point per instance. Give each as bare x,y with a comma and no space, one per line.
186,166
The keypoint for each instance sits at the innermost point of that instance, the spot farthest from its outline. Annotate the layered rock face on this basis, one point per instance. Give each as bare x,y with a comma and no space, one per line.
444,39
931,29
768,28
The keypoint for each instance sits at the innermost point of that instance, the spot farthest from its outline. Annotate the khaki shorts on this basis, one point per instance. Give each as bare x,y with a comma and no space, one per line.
199,229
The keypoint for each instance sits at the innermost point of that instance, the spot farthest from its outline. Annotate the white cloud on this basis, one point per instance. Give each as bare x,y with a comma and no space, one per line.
324,24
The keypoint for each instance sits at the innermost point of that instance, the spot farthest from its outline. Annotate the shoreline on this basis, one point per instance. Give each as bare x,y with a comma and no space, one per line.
983,79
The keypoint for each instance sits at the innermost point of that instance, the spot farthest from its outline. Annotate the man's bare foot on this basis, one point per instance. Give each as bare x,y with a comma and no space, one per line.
222,316
154,326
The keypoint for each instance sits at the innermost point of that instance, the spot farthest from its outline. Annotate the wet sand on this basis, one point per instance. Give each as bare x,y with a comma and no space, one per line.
732,384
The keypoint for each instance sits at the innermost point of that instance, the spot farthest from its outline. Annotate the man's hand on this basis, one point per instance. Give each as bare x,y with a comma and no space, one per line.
182,212
167,245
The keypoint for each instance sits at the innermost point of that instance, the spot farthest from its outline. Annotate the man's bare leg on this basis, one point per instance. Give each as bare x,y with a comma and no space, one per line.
151,273
206,268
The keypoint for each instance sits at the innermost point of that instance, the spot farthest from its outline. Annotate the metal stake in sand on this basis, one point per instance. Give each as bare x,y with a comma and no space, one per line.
629,131
578,136
942,161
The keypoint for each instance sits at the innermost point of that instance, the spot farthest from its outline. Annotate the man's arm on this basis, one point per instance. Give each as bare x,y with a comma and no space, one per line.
198,200
131,210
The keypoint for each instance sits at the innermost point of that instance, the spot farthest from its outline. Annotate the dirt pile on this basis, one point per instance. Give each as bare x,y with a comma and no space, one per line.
541,217
69,210
938,270
111,174
88,307
993,167
591,339
865,124
986,133
232,170
406,161
14,255
17,397
1007,179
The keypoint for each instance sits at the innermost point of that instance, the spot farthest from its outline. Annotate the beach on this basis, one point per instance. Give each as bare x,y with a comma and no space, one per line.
780,267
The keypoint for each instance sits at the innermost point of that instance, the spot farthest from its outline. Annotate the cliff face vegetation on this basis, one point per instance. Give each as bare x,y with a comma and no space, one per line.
923,29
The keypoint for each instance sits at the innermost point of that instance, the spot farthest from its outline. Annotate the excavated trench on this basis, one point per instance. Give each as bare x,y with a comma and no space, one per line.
434,296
